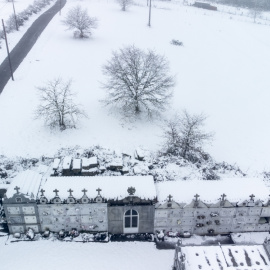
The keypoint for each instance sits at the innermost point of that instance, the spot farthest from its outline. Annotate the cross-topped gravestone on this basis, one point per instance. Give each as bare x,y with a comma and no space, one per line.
196,197
42,192
56,192
223,197
70,192
252,197
84,191
170,198
17,189
98,190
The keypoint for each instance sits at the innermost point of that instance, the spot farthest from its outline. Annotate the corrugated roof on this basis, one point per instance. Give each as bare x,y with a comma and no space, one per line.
28,181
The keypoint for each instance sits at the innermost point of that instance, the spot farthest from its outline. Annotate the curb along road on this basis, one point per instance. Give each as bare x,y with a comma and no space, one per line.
27,42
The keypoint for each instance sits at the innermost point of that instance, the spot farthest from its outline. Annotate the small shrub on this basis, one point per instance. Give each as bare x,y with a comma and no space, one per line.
11,24
176,42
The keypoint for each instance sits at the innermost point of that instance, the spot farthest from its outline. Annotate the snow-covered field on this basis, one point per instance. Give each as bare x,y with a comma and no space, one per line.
45,255
222,71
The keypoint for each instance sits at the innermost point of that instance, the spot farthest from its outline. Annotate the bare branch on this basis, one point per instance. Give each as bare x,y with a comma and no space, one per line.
138,82
184,134
56,105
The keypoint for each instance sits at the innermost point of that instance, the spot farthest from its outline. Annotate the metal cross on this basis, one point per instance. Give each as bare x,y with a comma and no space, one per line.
56,192
252,197
42,192
170,198
223,197
196,197
84,191
98,190
70,192
17,189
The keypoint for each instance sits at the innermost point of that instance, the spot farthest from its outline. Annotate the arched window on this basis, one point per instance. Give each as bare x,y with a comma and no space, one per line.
131,219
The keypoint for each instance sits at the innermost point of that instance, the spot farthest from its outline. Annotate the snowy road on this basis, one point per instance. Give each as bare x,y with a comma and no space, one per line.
27,42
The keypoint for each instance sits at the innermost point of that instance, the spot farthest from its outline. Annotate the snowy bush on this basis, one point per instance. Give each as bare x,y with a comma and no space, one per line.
184,136
11,24
78,18
176,42
124,4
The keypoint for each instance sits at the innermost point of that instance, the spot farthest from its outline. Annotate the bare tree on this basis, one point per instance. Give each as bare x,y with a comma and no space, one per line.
124,4
57,107
255,9
138,82
78,18
184,135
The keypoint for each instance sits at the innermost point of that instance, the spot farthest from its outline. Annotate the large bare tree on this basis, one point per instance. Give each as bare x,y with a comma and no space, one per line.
78,18
137,82
185,136
57,106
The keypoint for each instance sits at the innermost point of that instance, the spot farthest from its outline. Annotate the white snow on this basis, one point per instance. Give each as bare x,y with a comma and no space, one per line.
89,162
61,255
67,162
76,164
222,70
28,181
236,189
56,163
112,187
249,238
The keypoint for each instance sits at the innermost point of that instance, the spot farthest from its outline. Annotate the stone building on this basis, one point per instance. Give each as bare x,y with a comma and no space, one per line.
135,204
20,204
238,211
93,204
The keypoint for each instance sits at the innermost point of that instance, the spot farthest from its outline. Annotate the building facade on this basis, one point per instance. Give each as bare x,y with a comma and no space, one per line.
127,205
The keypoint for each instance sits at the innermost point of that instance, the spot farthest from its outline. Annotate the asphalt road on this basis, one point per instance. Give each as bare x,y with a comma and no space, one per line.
26,43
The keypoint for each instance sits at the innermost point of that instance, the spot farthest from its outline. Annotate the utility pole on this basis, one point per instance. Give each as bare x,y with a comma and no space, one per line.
60,2
149,21
15,16
5,34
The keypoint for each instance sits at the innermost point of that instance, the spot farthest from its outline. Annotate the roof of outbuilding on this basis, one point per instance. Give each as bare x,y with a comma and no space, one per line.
111,187
28,181
210,191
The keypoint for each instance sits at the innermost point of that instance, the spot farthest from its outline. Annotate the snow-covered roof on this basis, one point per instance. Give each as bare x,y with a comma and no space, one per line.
56,163
28,181
112,186
251,257
67,163
89,161
236,190
76,163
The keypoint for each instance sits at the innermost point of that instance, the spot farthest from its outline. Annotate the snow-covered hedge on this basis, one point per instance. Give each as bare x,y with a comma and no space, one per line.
110,163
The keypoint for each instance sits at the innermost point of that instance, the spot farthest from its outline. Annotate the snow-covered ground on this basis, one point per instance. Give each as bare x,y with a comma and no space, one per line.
45,255
222,71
